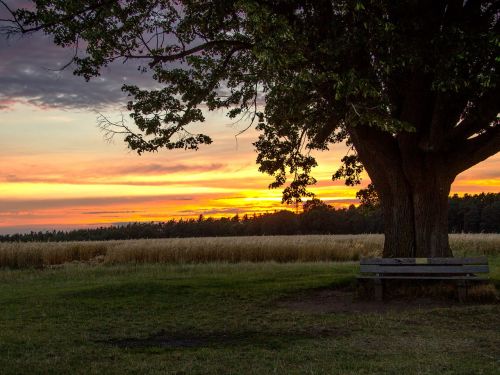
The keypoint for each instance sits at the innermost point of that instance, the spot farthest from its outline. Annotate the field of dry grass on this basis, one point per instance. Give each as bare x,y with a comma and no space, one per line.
311,248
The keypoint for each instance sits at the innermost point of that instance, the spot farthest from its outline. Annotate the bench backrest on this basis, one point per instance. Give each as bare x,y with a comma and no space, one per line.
424,265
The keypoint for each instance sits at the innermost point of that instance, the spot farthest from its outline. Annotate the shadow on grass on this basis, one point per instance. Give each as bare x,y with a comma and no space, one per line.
271,340
128,290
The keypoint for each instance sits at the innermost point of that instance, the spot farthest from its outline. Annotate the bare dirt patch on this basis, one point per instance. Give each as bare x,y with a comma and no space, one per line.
348,300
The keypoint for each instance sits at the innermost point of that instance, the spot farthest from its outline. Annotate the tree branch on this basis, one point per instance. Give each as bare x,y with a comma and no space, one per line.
475,150
478,118
377,150
212,44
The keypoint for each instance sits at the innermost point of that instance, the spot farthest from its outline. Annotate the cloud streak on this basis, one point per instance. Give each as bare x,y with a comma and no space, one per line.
113,175
12,206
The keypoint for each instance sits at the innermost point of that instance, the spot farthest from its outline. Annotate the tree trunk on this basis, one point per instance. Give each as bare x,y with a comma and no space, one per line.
399,226
413,187
430,203
416,219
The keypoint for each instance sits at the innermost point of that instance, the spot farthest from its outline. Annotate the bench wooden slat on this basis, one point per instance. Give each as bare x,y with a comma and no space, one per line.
417,261
365,268
412,277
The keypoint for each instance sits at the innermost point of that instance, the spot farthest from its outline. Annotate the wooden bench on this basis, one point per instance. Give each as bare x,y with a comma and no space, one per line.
462,270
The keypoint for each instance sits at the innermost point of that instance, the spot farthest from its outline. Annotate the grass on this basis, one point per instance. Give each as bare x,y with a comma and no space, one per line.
227,319
311,248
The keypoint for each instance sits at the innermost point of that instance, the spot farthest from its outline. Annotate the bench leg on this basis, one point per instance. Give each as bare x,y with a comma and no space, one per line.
462,290
379,289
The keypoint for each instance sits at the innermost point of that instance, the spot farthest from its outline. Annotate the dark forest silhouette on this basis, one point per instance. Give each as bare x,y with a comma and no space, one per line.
470,213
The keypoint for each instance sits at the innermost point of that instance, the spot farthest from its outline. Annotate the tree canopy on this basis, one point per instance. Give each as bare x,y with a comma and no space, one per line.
411,86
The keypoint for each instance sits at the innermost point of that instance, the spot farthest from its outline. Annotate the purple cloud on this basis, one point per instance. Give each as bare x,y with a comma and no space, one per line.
30,72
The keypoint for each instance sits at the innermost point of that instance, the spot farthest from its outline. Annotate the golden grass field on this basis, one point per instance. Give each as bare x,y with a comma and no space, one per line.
310,248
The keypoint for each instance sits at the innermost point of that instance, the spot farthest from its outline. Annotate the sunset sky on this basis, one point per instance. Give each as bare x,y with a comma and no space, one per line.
57,171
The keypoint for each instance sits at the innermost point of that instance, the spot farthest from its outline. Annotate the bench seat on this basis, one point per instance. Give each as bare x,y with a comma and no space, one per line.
457,269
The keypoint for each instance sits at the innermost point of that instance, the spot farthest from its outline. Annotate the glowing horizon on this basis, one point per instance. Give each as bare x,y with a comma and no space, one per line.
57,172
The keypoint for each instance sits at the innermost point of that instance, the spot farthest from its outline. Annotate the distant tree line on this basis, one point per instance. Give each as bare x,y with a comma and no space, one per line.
474,213
470,213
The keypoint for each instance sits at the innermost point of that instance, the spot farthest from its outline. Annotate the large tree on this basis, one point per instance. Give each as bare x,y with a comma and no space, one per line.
411,85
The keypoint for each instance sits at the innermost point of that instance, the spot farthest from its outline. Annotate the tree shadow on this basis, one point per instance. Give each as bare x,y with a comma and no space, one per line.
271,340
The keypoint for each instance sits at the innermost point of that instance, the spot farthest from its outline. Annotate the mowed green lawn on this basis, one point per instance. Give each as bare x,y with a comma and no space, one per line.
228,319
